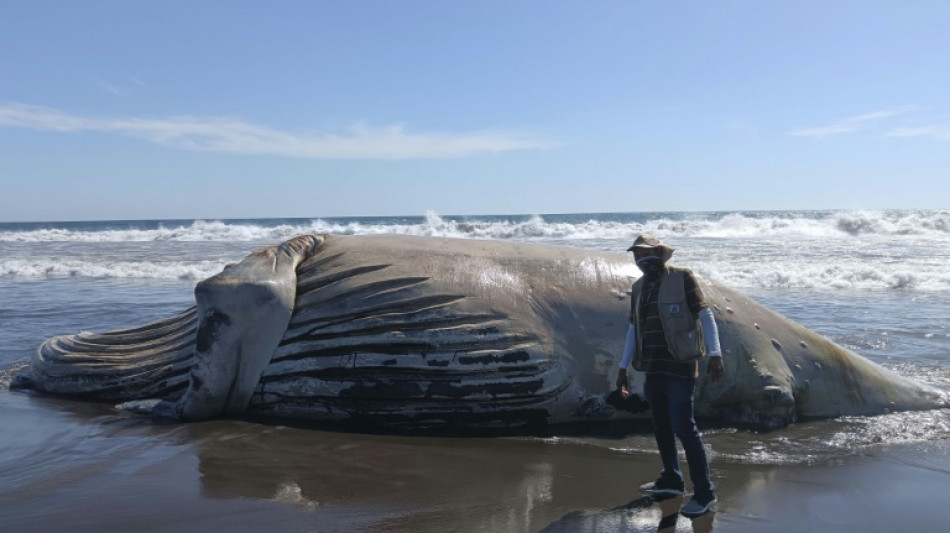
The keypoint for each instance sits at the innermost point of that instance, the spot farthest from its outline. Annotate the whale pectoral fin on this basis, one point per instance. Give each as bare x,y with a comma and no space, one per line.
153,407
243,313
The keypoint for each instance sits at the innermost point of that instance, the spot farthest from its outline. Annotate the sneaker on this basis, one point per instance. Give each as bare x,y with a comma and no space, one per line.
663,486
698,505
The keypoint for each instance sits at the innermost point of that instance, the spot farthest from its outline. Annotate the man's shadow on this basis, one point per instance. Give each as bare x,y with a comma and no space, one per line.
638,516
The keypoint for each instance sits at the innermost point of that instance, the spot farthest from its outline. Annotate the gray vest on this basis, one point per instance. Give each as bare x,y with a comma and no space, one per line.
681,328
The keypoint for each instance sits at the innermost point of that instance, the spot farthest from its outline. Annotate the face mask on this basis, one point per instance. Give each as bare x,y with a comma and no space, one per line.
650,266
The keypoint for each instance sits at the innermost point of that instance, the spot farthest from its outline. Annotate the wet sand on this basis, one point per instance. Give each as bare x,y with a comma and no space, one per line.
81,467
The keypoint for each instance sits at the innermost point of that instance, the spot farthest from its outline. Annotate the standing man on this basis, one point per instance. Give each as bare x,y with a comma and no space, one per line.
671,328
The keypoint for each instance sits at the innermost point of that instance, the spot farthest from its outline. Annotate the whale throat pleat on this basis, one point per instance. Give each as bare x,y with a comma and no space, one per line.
367,341
149,361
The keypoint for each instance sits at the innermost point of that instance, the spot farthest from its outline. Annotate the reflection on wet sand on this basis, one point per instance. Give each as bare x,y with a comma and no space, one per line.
488,484
429,484
670,511
639,516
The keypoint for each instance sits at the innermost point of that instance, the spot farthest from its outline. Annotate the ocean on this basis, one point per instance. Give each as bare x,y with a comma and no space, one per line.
876,282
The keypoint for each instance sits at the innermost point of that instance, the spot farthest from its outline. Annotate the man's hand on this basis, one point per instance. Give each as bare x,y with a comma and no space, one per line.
622,381
714,369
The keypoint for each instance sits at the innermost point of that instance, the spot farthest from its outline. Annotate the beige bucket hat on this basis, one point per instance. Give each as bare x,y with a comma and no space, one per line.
646,240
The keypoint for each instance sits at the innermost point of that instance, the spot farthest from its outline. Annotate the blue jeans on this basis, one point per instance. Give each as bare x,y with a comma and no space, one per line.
671,400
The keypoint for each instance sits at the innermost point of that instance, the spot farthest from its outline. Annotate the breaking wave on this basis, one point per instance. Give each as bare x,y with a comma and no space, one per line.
73,268
920,223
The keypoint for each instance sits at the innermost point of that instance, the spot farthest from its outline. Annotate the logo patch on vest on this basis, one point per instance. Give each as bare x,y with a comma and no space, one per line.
675,309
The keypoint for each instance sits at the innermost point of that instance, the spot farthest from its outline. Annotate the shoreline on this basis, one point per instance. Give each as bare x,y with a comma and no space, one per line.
95,469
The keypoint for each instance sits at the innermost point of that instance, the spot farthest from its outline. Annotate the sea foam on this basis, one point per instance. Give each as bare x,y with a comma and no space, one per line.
834,250
931,224
184,270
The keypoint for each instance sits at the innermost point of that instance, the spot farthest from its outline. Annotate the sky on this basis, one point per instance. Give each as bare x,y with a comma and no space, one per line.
114,110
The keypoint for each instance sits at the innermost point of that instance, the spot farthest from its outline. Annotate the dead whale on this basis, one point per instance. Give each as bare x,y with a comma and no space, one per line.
416,332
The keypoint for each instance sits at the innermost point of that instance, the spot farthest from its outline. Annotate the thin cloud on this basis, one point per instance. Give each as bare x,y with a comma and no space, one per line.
140,83
846,125
107,87
238,137
940,133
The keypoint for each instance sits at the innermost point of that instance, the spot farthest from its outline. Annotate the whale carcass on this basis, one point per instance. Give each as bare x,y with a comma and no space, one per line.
418,332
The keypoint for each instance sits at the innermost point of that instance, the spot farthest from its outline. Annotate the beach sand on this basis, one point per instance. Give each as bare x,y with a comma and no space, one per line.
81,467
